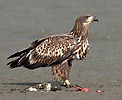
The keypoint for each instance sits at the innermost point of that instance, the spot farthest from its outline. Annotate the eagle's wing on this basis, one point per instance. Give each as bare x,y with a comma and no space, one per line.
51,51
45,52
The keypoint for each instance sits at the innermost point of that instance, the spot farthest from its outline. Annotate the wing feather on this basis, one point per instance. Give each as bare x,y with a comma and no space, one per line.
53,50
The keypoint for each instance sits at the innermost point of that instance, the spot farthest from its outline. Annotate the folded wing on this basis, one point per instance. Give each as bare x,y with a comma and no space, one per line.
45,52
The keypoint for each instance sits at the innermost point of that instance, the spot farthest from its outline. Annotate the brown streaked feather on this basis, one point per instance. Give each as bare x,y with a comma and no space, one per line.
61,71
79,30
53,50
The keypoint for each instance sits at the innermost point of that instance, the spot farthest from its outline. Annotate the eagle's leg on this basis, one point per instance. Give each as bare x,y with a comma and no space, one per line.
61,72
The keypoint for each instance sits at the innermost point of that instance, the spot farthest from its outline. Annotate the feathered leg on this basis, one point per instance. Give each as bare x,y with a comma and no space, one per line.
61,72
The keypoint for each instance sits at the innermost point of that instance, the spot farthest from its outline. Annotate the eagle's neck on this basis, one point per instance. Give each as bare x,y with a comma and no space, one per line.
80,31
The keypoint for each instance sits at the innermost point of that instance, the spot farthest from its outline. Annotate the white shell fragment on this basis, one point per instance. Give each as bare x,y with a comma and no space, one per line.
32,89
48,87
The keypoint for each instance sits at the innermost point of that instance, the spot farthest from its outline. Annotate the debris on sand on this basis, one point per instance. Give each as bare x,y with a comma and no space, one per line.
32,89
99,91
82,89
45,87
55,86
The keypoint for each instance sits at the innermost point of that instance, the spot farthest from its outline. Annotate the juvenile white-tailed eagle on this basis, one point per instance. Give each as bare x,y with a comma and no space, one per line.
57,51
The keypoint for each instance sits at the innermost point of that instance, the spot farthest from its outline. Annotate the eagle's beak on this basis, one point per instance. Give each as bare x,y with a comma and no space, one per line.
95,19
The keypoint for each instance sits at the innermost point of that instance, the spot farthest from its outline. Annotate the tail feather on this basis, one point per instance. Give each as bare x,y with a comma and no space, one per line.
18,53
14,63
23,57
32,45
21,61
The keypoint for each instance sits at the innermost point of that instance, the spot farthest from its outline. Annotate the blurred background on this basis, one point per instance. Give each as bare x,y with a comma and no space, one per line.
23,21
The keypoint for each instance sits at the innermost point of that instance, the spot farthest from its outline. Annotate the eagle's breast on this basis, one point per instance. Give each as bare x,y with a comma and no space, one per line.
82,50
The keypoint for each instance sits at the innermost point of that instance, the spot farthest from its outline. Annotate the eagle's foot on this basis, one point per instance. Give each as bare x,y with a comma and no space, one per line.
67,84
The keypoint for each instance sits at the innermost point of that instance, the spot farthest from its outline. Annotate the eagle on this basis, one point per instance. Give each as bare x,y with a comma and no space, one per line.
57,51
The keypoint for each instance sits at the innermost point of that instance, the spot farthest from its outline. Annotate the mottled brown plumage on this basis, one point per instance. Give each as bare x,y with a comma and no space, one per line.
57,51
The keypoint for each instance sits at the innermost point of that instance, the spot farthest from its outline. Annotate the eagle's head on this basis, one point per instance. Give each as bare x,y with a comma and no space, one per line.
87,19
81,25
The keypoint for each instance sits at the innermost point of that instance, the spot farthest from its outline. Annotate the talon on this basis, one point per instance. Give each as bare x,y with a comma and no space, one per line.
67,83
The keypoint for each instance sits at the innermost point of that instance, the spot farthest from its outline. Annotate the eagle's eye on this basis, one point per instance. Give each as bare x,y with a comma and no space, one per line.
87,17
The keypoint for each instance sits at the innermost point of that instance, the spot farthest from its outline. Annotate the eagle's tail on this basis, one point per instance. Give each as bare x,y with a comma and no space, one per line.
18,53
21,60
23,56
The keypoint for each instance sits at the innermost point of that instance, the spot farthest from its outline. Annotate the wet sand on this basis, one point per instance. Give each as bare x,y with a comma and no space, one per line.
22,21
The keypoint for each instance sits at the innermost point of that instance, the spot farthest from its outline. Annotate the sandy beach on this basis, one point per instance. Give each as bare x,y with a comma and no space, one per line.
23,21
